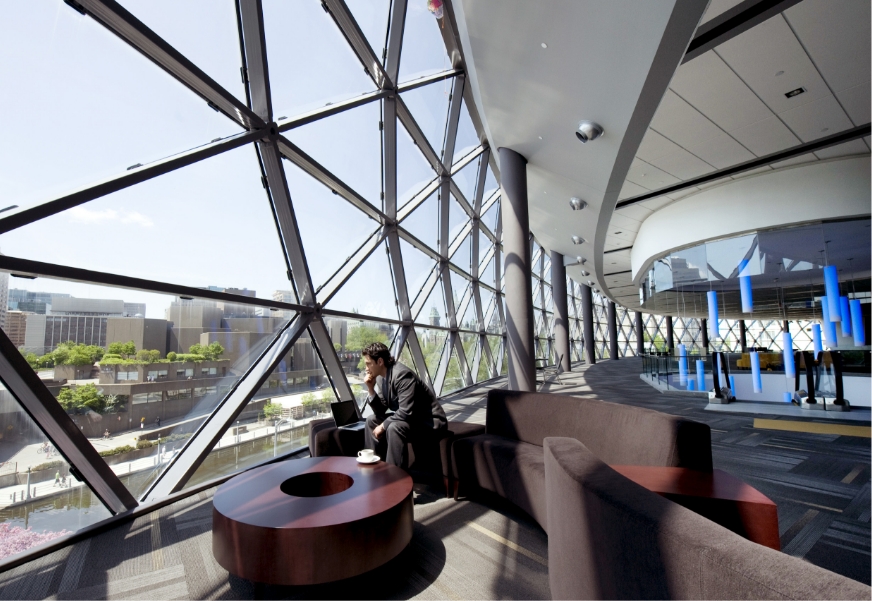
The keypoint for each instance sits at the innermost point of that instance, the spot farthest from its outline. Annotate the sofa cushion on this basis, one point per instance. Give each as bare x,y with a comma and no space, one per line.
610,538
617,434
512,469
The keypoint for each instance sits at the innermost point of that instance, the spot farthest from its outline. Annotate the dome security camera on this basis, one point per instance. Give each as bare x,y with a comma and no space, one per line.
588,131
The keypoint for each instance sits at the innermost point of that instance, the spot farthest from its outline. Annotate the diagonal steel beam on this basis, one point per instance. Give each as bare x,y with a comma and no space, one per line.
462,200
428,79
287,124
479,184
389,156
122,23
405,235
255,71
418,358
185,464
286,219
313,168
468,158
453,119
358,42
329,359
444,359
30,268
400,285
429,284
134,175
461,358
419,198
36,400
396,29
782,155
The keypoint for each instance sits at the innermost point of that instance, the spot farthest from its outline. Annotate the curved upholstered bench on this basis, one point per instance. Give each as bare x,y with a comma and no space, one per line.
509,460
609,538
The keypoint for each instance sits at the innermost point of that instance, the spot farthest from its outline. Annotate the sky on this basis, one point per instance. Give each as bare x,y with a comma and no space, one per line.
93,107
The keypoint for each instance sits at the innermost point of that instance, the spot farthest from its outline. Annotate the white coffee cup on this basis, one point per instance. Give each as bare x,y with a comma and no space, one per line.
366,454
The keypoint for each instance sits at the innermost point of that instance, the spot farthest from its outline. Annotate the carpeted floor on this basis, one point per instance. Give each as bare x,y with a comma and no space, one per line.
484,549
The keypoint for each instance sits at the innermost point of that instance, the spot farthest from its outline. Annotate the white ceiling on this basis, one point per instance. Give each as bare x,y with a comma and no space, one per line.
728,106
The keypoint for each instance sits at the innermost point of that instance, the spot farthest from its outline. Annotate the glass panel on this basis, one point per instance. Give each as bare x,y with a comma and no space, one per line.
423,49
331,228
470,346
483,369
148,230
466,179
490,184
406,357
486,273
490,217
462,254
432,342
107,106
434,312
372,17
349,146
429,107
723,257
423,222
204,31
459,286
470,317
453,377
457,218
417,266
276,419
413,170
137,386
467,139
295,32
374,277
57,504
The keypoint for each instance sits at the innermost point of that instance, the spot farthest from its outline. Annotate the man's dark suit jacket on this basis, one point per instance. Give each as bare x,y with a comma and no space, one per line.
410,399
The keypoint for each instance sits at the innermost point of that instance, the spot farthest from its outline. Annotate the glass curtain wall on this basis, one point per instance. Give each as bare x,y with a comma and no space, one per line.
294,180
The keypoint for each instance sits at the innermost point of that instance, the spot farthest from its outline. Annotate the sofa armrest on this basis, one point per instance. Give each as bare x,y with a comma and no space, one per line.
315,426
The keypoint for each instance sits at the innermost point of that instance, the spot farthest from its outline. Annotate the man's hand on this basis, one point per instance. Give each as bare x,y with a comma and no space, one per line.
378,431
369,380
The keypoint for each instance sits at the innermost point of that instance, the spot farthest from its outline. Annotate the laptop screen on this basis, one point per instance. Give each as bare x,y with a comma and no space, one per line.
344,413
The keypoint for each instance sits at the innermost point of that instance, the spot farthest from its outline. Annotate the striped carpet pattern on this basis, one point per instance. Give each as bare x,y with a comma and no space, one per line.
487,549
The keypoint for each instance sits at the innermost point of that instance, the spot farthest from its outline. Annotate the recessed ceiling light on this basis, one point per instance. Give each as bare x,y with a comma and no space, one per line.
795,92
577,240
540,137
576,204
825,129
588,131
544,45
584,273
779,73
590,283
619,232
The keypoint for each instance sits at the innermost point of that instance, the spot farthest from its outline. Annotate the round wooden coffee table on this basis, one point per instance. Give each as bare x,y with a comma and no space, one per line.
314,520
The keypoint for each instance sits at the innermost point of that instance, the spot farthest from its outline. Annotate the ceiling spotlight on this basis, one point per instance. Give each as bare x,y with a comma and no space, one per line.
581,260
577,240
588,131
584,273
591,283
576,204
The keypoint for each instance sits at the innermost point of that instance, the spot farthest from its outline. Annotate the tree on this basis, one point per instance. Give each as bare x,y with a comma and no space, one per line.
147,356
171,356
362,335
214,351
82,397
70,353
272,410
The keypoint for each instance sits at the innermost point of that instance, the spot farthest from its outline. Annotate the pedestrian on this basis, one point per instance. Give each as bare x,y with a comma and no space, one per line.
106,434
157,419
64,481
142,423
57,481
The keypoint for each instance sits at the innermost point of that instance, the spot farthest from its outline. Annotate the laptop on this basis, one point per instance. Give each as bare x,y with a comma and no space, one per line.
345,416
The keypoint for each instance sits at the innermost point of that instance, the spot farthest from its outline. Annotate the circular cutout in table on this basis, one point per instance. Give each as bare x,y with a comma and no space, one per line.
308,521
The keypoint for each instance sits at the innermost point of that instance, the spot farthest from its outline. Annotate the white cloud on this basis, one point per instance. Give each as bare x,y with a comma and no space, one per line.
84,215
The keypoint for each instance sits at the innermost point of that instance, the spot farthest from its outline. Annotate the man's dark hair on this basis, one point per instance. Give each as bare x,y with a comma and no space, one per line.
376,351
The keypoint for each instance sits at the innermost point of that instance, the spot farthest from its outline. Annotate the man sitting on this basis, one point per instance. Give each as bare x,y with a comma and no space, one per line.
417,415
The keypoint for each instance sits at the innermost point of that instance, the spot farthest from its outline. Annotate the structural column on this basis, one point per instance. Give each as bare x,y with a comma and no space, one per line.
613,332
587,322
561,310
640,335
670,337
743,336
519,289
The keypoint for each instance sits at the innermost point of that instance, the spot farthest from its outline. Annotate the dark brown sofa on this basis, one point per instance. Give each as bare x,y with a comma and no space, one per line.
609,538
509,458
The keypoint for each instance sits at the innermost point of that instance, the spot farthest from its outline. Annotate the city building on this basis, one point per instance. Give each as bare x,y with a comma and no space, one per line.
622,243
16,327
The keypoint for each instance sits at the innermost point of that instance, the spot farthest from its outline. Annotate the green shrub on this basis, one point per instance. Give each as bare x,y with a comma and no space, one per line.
144,444
175,437
116,451
48,465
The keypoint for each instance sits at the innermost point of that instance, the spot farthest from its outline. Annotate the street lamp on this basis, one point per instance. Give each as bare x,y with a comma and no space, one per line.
276,434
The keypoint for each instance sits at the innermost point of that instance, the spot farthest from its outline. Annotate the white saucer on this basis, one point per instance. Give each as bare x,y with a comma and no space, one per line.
375,459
